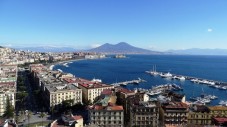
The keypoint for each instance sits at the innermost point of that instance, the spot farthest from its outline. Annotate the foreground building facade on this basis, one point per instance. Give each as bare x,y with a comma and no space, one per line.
8,84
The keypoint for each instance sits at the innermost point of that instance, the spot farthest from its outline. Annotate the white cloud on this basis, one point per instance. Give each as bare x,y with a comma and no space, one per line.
95,45
209,30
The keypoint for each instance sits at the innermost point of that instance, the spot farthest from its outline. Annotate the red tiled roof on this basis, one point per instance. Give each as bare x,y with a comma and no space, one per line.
98,107
116,108
123,90
220,120
90,85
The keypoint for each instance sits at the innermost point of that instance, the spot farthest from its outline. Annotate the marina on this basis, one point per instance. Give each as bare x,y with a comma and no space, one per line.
211,83
107,70
160,89
136,81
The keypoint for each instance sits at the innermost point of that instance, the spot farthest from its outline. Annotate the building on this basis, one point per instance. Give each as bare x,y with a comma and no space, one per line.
219,121
68,121
56,94
54,89
199,115
174,113
92,90
8,83
218,111
105,112
142,113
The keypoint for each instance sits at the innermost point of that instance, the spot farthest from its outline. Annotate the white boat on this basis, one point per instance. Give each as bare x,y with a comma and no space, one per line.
213,97
96,80
195,80
223,87
182,78
66,65
166,75
60,70
223,103
120,56
154,72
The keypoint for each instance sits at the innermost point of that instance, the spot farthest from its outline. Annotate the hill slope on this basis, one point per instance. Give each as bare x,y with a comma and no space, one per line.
197,51
121,48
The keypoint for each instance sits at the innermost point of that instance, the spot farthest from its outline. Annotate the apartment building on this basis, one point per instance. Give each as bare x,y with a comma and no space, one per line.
91,90
55,90
105,112
174,113
8,83
199,115
141,112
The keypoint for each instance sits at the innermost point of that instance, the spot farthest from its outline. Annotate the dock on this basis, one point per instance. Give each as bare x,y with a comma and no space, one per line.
211,83
136,81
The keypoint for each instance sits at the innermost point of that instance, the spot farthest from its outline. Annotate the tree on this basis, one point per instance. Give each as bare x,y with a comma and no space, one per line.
42,115
67,103
29,116
9,111
52,112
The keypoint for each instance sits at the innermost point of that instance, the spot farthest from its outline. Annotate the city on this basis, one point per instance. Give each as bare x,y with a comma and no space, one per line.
33,93
113,63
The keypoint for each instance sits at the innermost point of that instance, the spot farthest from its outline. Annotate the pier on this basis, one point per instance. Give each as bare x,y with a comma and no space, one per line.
137,81
211,83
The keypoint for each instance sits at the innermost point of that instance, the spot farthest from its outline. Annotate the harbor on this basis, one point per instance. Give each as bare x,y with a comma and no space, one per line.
211,83
111,74
136,81
160,89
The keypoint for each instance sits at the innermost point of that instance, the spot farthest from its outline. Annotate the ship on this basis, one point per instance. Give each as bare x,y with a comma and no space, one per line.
120,56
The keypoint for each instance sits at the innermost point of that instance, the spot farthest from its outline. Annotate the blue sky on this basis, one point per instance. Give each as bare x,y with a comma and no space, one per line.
150,24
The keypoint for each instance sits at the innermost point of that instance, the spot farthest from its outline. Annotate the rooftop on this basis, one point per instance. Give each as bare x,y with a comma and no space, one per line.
123,90
61,87
175,105
109,108
221,120
217,108
92,85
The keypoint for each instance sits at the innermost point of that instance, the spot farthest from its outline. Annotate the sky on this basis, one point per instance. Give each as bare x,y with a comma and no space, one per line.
151,24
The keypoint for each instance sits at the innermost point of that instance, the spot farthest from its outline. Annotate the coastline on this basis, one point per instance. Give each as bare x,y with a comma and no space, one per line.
51,65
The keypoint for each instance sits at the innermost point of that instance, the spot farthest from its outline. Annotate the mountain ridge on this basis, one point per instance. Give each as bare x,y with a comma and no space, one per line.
121,48
199,51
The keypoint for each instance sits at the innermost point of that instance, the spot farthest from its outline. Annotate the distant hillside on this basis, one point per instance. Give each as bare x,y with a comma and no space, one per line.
48,49
197,51
121,48
1,47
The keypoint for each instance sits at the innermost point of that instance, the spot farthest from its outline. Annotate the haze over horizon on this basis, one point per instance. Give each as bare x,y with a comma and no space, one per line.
154,25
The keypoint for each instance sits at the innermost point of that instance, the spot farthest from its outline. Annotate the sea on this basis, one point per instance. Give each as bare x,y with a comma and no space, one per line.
111,70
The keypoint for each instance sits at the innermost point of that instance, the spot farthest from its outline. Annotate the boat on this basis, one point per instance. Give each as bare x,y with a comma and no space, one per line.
223,103
194,80
119,56
182,78
223,87
213,97
154,72
96,80
60,70
166,75
66,65
176,87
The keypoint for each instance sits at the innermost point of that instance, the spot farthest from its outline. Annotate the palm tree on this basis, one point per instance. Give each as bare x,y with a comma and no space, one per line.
42,115
29,116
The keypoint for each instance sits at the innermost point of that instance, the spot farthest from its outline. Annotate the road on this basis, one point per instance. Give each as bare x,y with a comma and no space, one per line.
31,105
